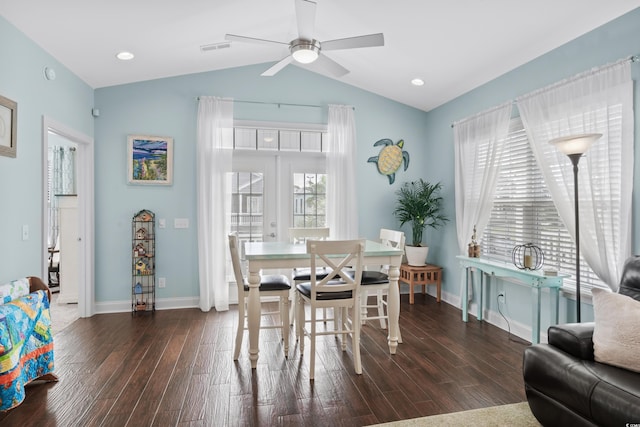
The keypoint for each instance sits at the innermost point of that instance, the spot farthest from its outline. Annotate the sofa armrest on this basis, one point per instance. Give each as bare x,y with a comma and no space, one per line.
36,284
575,339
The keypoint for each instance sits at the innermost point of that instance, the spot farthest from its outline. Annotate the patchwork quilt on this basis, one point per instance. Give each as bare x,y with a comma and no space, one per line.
26,345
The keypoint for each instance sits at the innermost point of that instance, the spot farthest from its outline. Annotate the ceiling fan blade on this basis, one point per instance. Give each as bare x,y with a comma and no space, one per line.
326,65
277,67
370,40
306,16
233,37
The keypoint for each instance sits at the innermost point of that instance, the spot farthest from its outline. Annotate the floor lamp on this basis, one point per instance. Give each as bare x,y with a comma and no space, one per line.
575,146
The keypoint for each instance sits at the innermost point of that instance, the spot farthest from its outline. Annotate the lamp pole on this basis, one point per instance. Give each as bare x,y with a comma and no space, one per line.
574,147
575,158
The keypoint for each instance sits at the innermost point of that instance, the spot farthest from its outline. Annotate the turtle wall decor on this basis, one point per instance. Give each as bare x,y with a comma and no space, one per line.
390,158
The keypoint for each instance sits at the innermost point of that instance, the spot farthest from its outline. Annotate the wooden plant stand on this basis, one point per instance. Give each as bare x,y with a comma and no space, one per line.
421,276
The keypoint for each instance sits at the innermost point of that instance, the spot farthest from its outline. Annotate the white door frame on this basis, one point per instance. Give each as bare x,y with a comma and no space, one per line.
85,186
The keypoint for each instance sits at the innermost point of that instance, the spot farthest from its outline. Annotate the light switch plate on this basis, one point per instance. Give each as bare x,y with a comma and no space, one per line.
162,223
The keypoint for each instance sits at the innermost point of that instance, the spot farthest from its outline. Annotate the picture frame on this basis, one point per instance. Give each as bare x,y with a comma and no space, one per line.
150,160
8,127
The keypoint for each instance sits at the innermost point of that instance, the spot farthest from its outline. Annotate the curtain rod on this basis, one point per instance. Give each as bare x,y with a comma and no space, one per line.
632,59
278,104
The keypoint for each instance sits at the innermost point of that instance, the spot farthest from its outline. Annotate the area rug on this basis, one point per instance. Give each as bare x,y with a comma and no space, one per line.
514,415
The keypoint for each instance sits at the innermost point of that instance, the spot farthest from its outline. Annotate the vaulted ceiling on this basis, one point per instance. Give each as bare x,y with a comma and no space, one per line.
452,45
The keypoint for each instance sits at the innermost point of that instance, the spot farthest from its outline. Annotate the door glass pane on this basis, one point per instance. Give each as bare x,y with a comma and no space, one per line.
309,199
247,205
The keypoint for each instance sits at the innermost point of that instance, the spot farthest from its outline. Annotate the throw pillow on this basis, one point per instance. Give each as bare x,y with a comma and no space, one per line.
616,335
14,289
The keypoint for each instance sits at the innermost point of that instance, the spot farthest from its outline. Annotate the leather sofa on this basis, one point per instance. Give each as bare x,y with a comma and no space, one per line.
565,386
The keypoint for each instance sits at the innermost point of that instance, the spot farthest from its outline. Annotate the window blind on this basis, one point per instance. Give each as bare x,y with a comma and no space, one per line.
523,212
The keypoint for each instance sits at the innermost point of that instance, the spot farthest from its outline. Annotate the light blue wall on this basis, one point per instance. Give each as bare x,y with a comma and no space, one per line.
615,40
168,107
67,100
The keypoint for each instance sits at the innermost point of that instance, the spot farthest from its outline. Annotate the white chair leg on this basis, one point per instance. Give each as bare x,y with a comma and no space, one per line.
284,318
312,356
364,295
344,326
292,308
355,339
300,322
240,331
380,303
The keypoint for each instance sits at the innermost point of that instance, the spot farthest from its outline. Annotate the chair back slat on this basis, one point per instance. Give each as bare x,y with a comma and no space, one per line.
392,238
302,234
235,260
337,256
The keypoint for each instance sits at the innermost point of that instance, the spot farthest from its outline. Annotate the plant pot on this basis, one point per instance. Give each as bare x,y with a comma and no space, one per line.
416,255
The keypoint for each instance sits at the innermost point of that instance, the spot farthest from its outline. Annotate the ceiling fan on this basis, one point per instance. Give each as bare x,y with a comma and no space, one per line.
306,50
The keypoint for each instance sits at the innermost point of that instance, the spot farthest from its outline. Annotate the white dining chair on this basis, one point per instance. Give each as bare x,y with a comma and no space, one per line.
339,289
274,285
378,282
300,235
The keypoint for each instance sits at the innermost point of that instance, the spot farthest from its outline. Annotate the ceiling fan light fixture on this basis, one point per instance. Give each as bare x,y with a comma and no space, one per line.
304,51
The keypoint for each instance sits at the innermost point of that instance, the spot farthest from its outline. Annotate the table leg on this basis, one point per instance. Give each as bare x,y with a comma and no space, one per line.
535,315
393,307
465,295
480,296
554,297
253,316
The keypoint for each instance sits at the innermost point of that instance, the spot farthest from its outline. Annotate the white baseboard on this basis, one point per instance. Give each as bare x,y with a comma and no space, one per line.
161,304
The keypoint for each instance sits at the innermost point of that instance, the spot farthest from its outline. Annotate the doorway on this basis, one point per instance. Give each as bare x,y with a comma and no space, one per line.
80,226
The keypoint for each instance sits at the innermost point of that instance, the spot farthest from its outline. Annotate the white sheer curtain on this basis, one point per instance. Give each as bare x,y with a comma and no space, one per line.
598,101
342,212
62,180
214,155
479,143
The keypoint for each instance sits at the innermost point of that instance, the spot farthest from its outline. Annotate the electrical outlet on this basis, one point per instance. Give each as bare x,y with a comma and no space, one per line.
162,282
25,232
502,298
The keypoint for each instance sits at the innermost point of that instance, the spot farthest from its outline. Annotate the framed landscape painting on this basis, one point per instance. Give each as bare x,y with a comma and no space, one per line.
8,127
150,159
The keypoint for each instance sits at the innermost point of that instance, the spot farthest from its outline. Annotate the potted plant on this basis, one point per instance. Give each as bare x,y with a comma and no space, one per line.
419,202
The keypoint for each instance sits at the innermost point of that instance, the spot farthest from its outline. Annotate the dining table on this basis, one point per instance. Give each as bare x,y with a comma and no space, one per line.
286,255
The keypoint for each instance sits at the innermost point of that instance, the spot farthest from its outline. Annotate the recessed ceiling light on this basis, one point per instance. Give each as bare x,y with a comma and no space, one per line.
417,82
125,56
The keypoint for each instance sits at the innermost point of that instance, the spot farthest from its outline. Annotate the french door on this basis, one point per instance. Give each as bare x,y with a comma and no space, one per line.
274,191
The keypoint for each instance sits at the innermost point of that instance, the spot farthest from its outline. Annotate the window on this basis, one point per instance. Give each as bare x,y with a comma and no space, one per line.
523,212
246,205
309,200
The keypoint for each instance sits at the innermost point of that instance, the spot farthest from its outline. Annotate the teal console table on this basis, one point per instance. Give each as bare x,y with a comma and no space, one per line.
533,278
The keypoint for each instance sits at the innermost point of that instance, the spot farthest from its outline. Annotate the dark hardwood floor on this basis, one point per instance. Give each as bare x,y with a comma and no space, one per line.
175,367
